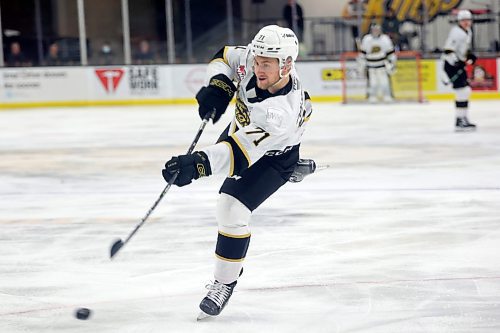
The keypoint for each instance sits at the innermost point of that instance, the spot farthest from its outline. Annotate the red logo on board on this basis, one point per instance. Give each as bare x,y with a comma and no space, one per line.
110,78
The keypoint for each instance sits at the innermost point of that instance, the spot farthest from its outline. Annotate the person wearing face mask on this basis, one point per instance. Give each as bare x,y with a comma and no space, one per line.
377,54
106,54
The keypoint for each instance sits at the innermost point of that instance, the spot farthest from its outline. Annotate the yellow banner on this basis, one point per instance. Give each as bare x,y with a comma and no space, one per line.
331,74
405,10
429,75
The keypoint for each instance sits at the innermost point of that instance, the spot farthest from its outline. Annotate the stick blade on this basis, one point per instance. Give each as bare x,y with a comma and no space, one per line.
117,245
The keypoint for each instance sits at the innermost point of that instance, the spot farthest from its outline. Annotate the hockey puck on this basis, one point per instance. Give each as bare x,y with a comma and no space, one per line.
82,313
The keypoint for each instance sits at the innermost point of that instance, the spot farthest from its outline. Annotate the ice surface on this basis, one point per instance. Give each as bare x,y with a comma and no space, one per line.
401,234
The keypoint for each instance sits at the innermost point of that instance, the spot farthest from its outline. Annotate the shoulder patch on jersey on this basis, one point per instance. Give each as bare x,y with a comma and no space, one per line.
221,55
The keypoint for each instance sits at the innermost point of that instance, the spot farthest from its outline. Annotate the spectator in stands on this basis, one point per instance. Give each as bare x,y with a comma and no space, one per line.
145,55
408,36
390,26
349,14
16,57
53,56
287,15
106,54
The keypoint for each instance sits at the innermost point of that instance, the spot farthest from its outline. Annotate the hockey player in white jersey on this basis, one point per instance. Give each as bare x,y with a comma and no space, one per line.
457,54
377,54
259,149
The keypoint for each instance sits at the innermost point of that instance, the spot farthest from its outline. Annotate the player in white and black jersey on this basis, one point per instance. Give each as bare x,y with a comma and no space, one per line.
377,54
457,54
259,149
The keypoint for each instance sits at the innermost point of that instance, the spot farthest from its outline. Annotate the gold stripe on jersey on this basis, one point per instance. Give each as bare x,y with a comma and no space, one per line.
233,128
307,99
241,161
243,150
221,56
224,56
219,60
231,158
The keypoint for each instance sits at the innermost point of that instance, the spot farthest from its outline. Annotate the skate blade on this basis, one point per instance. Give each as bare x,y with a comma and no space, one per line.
465,130
203,316
321,167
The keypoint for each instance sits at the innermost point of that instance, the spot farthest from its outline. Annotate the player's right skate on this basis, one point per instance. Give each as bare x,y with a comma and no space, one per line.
463,125
216,299
304,167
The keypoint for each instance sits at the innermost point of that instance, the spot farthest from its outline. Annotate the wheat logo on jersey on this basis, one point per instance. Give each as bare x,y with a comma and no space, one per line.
110,78
242,114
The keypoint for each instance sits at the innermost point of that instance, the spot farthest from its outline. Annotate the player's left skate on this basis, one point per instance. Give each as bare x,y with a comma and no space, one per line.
216,299
303,168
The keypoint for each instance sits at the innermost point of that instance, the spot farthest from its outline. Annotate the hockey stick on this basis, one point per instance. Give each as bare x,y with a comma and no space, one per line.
118,244
457,74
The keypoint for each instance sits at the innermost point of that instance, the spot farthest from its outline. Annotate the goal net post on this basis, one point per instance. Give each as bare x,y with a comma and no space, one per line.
406,82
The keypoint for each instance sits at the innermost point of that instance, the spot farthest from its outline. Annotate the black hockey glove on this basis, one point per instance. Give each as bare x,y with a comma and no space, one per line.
191,166
471,58
216,96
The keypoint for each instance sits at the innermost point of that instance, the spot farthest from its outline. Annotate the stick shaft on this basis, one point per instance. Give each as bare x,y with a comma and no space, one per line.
167,187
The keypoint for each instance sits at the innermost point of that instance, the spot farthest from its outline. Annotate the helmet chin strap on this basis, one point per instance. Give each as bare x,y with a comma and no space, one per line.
278,81
281,75
282,68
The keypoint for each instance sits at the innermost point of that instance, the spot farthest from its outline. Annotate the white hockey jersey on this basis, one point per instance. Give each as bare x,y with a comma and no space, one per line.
264,123
457,45
377,50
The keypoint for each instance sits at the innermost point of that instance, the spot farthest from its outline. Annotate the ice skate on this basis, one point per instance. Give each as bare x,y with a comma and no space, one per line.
463,125
303,168
216,299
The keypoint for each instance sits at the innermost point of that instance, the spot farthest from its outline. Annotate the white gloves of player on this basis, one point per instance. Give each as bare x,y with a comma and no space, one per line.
361,61
390,67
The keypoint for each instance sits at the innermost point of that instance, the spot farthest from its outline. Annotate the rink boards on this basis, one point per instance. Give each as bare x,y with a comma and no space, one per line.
174,84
